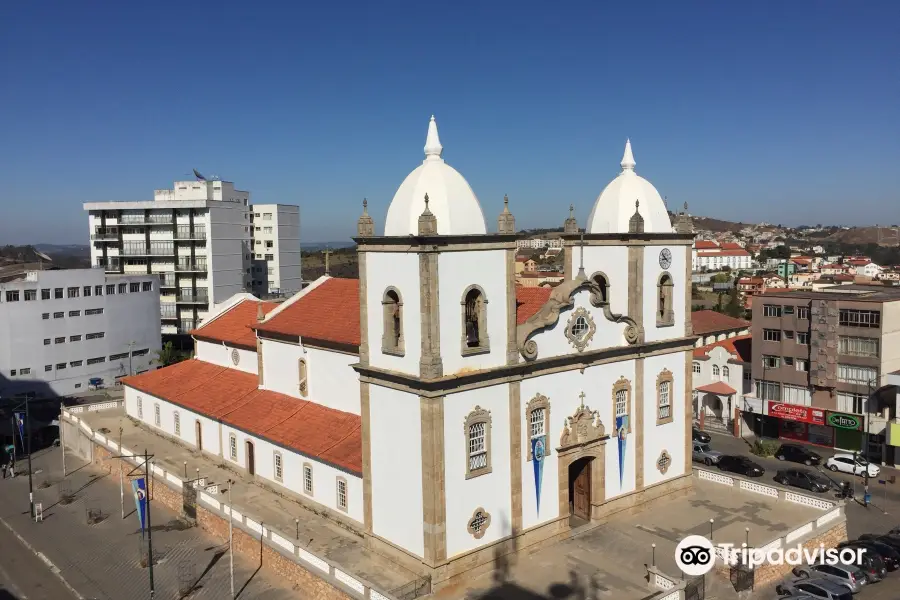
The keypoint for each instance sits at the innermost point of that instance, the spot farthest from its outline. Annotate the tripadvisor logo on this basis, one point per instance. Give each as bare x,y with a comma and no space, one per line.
695,555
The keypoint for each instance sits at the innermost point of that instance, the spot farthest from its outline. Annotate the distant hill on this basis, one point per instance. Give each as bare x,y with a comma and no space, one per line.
64,257
883,236
313,246
69,249
717,225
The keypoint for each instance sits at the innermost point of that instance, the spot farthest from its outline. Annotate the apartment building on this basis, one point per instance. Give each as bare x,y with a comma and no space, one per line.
60,329
715,256
276,267
195,237
819,356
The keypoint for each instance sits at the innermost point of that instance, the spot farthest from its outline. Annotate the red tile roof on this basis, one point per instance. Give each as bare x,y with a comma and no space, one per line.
233,326
723,253
529,301
717,387
705,245
709,321
738,346
232,397
730,246
329,313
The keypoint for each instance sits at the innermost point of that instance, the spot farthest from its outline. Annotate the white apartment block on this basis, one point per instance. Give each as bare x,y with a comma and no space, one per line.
60,329
275,233
195,238
536,243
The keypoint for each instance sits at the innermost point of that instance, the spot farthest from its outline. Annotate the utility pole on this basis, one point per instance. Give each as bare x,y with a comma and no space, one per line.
121,478
62,444
230,538
28,431
149,528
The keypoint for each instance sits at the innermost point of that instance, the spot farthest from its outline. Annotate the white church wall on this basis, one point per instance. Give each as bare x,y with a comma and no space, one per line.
652,272
612,261
669,437
456,272
401,271
553,342
491,491
220,354
396,445
209,428
281,367
331,380
563,390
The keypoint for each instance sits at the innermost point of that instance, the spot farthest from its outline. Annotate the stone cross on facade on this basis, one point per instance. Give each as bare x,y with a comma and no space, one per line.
581,397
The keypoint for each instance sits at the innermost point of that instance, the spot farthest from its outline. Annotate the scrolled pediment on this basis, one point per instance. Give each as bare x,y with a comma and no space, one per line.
582,428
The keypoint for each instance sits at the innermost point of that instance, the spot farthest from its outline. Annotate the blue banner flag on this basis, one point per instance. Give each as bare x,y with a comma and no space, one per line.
140,500
537,459
20,425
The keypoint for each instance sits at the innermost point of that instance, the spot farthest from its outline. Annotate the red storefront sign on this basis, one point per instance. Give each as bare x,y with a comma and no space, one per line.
794,412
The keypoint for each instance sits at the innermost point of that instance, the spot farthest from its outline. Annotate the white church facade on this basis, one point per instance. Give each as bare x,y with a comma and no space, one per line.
436,408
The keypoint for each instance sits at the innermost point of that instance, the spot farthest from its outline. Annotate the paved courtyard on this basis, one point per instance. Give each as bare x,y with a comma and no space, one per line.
102,560
610,561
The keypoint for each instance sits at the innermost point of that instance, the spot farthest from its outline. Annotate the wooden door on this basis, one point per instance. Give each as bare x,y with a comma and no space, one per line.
582,493
251,460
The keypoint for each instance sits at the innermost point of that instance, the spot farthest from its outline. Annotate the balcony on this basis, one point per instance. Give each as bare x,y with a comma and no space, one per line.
186,326
191,267
166,280
192,299
127,220
167,311
144,251
185,233
100,236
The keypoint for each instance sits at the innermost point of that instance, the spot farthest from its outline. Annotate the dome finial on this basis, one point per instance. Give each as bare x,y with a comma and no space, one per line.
365,206
628,158
365,226
432,141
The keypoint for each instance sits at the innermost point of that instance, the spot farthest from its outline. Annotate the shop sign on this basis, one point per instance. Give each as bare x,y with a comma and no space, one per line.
844,421
795,412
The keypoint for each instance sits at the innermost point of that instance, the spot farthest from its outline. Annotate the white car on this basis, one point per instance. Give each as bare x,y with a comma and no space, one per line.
848,463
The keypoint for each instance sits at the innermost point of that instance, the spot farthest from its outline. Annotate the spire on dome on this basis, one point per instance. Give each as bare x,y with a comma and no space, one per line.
627,158
636,222
427,221
571,225
365,227
432,141
506,222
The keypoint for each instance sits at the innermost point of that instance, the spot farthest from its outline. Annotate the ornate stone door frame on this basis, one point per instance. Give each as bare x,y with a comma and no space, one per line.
584,436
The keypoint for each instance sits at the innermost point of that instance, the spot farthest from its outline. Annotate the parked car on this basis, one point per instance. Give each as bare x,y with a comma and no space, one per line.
799,454
703,453
802,478
741,465
889,555
851,576
817,587
698,435
891,540
847,463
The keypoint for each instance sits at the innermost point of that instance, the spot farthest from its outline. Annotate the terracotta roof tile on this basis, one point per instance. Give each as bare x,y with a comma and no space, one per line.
232,397
717,387
723,253
705,245
233,326
739,347
730,246
329,313
709,321
529,301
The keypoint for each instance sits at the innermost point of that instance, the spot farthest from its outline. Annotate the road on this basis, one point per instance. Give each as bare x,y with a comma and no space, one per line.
23,576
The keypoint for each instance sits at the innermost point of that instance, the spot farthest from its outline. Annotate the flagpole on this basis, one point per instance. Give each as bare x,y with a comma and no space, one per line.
149,529
30,483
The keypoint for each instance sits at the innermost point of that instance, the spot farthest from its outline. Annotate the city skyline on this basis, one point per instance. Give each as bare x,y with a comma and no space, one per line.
743,117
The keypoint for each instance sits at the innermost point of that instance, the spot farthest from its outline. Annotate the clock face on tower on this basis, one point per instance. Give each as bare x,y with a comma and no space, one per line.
665,258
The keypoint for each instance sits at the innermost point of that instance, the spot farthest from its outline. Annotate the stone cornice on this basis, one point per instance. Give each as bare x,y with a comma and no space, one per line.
450,384
628,239
425,243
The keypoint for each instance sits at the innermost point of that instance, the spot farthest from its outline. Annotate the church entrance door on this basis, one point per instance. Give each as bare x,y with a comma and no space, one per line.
580,488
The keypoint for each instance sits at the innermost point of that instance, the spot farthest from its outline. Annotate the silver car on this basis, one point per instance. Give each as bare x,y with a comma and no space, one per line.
703,453
849,575
817,587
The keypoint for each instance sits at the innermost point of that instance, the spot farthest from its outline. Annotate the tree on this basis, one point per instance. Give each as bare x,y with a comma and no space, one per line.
168,355
734,308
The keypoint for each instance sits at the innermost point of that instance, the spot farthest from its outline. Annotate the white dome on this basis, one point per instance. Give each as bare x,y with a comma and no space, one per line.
616,203
450,198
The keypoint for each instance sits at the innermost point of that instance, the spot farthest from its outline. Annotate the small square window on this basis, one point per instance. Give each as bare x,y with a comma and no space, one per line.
26,371
98,290
59,315
86,292
60,366
46,341
57,293
12,372
48,367
123,288
45,316
110,289
72,292
45,293
30,295
12,296
147,286
74,313
60,340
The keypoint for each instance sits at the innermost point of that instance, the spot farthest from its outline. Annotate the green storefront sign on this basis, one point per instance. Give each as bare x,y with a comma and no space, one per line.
844,421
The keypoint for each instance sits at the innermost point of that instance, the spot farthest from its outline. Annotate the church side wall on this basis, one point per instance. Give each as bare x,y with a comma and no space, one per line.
490,491
208,427
456,272
395,427
612,261
553,341
563,389
401,271
652,271
220,354
669,436
281,367
332,382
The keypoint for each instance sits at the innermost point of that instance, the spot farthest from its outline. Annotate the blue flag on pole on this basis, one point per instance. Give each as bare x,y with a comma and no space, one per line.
140,500
20,425
537,460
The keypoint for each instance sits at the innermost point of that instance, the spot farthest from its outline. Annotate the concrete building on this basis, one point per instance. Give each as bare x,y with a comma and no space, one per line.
437,409
721,377
714,256
59,329
195,238
818,356
276,267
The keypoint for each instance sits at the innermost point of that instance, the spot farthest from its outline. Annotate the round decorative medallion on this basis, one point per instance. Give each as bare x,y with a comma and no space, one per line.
663,462
235,357
665,258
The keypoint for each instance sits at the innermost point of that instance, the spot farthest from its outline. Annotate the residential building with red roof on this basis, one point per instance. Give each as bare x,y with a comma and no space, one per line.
712,326
412,405
714,256
721,376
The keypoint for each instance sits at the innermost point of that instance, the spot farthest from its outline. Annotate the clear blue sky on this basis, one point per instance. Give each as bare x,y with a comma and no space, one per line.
779,111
